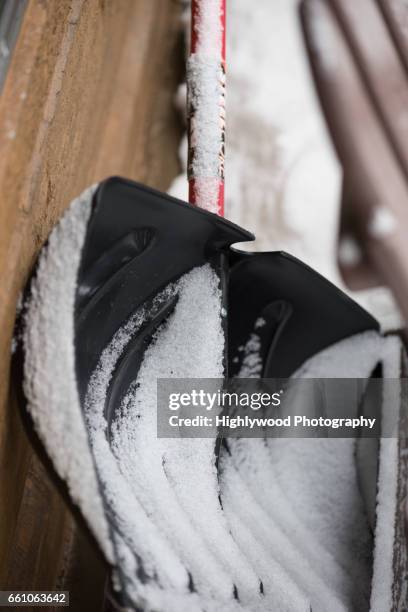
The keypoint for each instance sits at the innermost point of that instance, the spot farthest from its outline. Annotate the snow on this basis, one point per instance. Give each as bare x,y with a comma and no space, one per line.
382,223
383,571
251,362
205,93
49,368
162,472
349,251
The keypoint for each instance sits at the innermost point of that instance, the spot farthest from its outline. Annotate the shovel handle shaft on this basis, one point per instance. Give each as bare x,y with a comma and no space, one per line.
198,10
206,105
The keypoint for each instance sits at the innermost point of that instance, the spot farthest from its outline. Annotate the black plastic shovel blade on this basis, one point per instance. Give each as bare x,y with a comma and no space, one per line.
294,311
138,241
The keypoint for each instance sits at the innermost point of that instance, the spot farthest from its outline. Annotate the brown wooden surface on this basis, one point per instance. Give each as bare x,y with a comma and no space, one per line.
88,94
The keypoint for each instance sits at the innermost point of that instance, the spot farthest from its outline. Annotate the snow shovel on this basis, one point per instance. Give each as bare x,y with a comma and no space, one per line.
89,326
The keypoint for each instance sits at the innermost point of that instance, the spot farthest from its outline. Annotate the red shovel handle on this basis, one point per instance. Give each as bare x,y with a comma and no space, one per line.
198,6
206,105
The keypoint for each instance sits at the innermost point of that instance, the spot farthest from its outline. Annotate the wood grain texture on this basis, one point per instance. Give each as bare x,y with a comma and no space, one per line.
88,94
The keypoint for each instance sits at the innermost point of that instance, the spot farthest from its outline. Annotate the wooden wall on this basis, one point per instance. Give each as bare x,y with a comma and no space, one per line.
88,94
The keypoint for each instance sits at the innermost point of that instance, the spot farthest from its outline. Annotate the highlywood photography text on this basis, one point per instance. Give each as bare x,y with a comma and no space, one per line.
220,400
